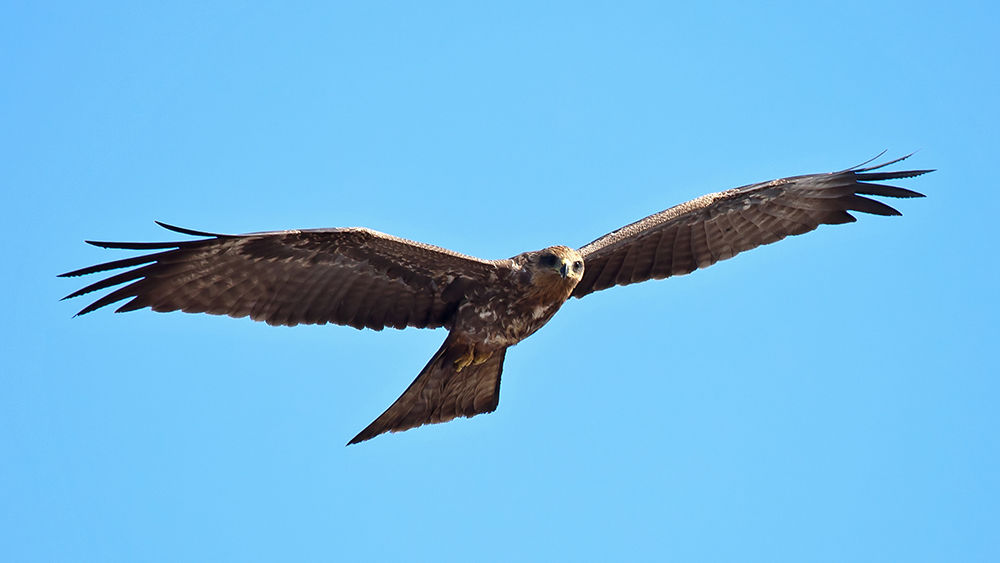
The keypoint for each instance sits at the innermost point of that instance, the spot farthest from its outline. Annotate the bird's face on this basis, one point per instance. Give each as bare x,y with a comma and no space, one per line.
559,261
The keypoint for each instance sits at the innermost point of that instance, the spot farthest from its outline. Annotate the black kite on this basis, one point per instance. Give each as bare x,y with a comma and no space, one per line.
367,279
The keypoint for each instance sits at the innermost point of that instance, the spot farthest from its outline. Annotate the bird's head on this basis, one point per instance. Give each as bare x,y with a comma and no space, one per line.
556,262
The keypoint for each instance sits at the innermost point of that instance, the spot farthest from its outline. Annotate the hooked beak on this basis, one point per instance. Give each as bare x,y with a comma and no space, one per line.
564,268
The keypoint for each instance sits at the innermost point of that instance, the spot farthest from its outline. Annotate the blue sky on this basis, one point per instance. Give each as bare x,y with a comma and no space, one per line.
828,398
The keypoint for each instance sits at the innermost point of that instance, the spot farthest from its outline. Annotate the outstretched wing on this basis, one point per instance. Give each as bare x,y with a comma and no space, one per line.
355,277
717,226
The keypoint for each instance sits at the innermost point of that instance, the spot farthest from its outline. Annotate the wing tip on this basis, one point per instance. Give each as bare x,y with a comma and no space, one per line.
149,245
190,232
860,166
101,243
863,166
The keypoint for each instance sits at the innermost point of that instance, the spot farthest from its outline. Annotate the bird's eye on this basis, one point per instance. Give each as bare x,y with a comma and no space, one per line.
577,266
548,260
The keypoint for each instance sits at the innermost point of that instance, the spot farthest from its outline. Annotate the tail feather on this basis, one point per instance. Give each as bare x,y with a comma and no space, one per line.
440,393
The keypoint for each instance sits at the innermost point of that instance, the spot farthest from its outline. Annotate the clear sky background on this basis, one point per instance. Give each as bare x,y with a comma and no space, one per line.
832,397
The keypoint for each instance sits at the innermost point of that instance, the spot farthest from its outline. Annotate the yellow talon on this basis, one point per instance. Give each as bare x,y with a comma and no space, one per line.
465,359
481,359
470,358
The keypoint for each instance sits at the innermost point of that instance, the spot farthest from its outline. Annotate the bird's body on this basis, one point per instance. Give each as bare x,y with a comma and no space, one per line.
533,290
366,279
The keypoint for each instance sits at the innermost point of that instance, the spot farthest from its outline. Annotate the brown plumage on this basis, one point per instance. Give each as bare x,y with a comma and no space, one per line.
366,279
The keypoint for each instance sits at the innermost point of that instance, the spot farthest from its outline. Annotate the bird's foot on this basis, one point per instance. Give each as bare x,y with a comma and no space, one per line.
472,357
482,356
466,359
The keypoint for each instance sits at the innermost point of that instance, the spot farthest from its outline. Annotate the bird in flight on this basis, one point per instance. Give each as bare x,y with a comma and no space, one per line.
367,279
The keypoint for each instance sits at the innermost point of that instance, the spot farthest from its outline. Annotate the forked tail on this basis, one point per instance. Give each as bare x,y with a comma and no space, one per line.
441,393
